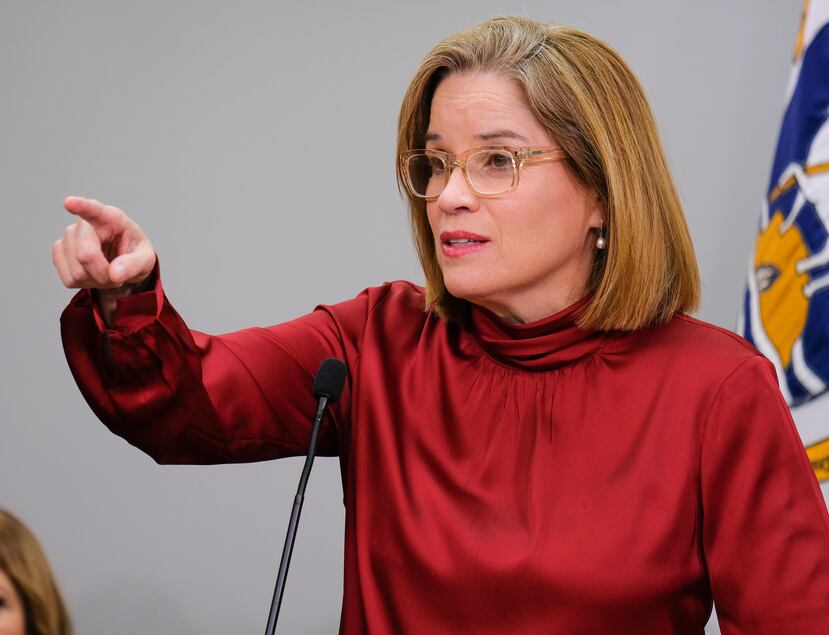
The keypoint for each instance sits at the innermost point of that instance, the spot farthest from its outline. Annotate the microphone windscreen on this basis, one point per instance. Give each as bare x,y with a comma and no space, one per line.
330,379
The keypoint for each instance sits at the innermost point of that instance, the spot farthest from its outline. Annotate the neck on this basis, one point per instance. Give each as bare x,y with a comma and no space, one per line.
517,310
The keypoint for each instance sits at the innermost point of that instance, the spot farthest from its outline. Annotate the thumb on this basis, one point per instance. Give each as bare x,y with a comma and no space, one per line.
132,267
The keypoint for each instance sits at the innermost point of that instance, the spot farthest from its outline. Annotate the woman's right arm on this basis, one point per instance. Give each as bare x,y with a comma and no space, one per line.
183,396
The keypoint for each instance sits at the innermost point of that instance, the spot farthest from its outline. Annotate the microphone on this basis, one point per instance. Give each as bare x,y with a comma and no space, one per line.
330,380
328,386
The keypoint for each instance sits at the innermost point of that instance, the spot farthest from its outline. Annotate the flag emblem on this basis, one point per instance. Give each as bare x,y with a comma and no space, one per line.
785,311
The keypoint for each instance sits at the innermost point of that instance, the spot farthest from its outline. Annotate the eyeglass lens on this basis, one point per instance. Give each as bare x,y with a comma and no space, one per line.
488,172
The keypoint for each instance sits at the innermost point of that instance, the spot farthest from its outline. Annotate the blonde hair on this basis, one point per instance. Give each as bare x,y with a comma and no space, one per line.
24,562
592,105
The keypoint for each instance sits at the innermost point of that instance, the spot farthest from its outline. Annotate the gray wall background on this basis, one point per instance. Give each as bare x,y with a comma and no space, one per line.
254,143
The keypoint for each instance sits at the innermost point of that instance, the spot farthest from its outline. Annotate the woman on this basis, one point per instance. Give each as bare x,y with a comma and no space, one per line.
30,601
539,441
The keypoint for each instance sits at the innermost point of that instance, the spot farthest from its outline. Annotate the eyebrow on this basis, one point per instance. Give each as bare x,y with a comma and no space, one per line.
486,136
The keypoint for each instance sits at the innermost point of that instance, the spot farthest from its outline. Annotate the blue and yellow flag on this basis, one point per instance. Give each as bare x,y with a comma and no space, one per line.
785,311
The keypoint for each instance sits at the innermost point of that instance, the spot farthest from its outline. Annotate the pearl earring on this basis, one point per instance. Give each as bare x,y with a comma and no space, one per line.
601,241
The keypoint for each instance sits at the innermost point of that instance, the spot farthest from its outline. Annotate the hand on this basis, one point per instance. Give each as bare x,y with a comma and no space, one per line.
104,250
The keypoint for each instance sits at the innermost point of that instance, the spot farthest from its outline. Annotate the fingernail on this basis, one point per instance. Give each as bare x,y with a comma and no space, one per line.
118,271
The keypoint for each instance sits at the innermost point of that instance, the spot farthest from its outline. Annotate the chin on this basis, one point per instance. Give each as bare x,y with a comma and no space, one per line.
469,288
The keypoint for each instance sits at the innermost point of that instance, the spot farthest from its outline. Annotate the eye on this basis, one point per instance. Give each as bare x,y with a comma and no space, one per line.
436,165
500,160
494,162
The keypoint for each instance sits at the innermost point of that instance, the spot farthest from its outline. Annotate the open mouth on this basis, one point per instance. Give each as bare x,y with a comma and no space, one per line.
463,241
454,244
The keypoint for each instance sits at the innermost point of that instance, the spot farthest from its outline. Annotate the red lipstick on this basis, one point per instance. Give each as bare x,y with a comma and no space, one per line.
461,243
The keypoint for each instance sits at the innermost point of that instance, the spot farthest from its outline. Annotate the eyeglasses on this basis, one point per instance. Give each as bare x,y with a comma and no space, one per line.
489,170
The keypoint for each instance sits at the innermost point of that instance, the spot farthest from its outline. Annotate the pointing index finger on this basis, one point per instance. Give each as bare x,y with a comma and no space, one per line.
91,210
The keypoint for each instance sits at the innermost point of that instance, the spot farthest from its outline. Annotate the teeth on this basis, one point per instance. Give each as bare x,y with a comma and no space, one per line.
462,241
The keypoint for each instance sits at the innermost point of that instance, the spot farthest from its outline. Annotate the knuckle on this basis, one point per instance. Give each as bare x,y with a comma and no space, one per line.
86,254
77,272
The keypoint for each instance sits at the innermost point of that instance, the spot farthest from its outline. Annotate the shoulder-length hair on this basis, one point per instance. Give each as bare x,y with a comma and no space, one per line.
592,105
24,562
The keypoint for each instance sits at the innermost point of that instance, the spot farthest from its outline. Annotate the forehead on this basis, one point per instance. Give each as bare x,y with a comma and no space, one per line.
466,105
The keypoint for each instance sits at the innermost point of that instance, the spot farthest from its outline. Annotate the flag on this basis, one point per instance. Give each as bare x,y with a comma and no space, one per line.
785,311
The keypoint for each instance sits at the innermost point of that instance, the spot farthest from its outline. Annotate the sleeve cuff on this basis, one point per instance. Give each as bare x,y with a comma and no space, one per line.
133,311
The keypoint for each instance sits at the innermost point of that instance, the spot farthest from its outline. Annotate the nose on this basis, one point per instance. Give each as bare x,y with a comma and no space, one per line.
456,197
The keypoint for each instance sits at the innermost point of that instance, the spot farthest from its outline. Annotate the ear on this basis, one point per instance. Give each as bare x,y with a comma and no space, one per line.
597,215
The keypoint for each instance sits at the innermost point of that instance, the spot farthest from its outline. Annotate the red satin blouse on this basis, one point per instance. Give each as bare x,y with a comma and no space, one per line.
499,478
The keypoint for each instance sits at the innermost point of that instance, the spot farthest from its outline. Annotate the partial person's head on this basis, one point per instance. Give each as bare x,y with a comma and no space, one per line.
30,601
595,168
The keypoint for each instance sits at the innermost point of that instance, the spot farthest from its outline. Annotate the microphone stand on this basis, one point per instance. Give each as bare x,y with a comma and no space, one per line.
288,549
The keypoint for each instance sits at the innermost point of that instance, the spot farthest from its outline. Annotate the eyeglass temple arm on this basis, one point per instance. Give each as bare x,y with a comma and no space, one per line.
538,154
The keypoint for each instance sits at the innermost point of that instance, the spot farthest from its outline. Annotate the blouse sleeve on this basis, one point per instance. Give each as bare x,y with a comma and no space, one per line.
187,397
765,525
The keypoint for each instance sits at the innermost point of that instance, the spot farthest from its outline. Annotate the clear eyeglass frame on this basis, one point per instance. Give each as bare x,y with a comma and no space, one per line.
520,156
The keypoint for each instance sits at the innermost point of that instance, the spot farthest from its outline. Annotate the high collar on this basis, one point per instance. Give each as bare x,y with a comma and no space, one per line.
549,343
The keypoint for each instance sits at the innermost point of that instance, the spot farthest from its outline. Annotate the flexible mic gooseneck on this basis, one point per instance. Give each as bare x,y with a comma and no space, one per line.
328,386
